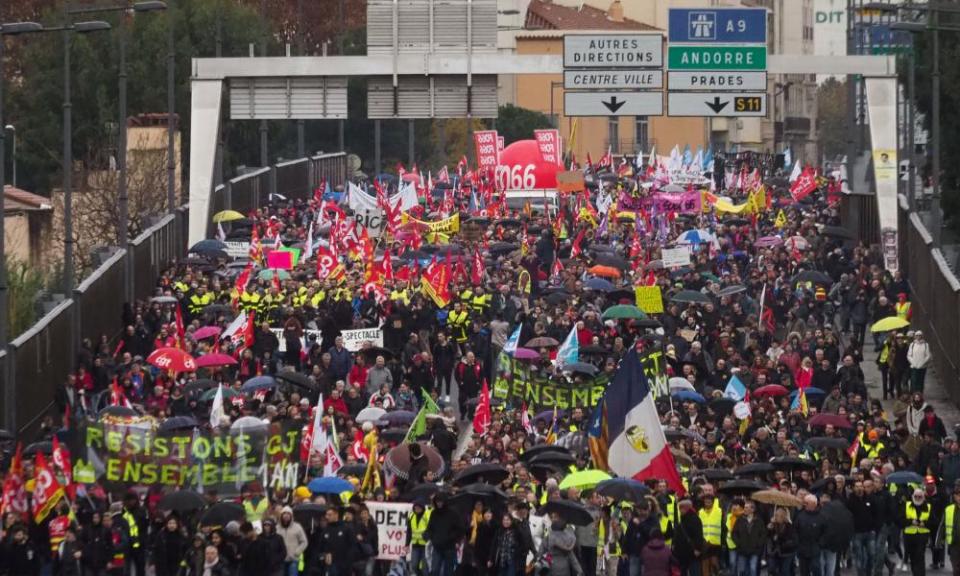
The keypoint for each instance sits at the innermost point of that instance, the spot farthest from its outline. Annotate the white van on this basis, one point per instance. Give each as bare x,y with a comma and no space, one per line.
517,199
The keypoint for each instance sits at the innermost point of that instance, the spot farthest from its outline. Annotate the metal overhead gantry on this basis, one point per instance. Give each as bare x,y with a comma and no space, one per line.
449,83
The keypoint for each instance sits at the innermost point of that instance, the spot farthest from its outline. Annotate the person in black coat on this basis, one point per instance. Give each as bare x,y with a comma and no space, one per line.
444,531
336,546
18,555
254,555
277,549
688,537
507,554
782,544
169,548
68,556
809,527
96,545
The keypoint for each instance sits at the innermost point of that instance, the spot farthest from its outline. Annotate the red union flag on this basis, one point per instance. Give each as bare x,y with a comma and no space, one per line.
485,142
435,282
804,185
61,459
14,497
46,490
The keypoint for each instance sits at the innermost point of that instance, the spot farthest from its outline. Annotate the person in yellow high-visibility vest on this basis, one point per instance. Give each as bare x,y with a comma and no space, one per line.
711,516
951,530
416,538
916,531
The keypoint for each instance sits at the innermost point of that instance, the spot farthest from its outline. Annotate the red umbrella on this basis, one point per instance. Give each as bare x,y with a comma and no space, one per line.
206,332
771,390
172,359
208,360
835,420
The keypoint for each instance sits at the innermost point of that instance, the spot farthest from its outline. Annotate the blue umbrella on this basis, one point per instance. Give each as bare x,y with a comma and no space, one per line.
259,383
689,395
599,284
904,477
329,485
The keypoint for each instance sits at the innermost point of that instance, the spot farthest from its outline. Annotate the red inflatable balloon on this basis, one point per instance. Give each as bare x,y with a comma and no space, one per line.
522,168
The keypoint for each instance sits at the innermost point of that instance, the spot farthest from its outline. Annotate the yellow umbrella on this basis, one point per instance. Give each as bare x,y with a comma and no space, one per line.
584,479
227,216
889,323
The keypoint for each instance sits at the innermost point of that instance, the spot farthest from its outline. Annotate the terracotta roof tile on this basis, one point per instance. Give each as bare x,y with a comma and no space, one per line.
17,199
549,16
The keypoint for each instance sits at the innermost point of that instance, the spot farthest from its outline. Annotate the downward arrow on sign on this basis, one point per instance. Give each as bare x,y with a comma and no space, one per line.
717,105
613,105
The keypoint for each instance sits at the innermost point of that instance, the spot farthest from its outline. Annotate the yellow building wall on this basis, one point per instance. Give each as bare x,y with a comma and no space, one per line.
544,93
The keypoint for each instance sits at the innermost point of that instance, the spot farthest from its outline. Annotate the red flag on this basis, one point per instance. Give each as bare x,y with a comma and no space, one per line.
387,266
557,268
61,459
460,272
606,161
327,265
443,175
483,416
804,185
435,282
256,251
479,270
14,497
181,333
46,489
276,281
576,250
117,395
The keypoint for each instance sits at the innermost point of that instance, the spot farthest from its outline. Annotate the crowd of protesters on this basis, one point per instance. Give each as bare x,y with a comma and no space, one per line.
864,488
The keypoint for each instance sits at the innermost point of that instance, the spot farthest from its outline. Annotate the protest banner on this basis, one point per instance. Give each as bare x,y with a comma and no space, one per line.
392,521
649,299
686,203
545,395
280,260
549,143
353,339
449,225
655,368
485,142
237,249
675,257
570,181
222,460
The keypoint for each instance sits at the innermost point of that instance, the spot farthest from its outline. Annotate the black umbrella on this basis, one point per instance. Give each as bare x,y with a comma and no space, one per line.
182,501
308,511
691,297
623,489
612,260
736,222
792,463
221,513
813,277
488,473
357,470
828,442
837,232
741,487
554,458
558,298
485,492
218,309
530,453
541,470
646,323
722,406
502,248
192,261
510,222
593,349
674,434
570,511
754,469
199,386
297,379
118,411
731,290
420,492
622,294
45,447
6,435
714,474
395,435
178,423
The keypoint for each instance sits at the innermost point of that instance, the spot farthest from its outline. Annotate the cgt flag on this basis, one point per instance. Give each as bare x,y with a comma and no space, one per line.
47,490
638,448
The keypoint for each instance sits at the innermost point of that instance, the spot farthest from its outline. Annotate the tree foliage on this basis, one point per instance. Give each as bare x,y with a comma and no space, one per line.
832,110
516,123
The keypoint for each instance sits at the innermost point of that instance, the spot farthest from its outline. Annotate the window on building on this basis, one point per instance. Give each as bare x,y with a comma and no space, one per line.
641,136
613,134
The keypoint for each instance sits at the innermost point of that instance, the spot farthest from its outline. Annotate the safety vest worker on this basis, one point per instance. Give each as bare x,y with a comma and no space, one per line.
902,307
198,300
917,517
255,512
666,527
712,519
458,320
133,529
418,526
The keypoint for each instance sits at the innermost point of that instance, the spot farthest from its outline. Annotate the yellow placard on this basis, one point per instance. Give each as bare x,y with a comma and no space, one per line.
446,226
649,299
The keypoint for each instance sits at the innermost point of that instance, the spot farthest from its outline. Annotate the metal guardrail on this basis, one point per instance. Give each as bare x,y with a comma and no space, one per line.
35,365
935,296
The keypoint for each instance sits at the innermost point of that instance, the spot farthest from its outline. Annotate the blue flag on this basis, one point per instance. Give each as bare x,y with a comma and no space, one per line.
511,345
569,351
735,389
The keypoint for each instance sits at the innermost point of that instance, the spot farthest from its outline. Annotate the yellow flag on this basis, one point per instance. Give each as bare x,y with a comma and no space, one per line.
781,220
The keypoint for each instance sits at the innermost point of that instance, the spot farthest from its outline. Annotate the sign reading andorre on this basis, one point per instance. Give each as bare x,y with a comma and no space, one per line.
223,460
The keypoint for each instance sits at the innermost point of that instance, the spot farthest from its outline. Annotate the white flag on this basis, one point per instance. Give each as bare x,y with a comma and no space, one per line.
234,326
796,171
318,436
216,410
308,247
221,235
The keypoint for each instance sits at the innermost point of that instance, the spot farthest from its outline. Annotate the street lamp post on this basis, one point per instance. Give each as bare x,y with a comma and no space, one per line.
13,156
171,113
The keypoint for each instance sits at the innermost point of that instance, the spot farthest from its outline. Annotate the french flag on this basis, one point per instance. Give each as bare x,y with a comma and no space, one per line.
637,446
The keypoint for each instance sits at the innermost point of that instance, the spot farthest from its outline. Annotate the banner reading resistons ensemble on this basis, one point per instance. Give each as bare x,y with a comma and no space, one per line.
225,460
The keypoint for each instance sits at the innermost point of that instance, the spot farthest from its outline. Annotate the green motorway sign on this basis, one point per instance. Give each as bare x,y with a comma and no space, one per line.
717,57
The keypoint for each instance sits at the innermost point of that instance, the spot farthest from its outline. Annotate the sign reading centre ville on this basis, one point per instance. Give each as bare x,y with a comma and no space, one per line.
612,79
612,51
